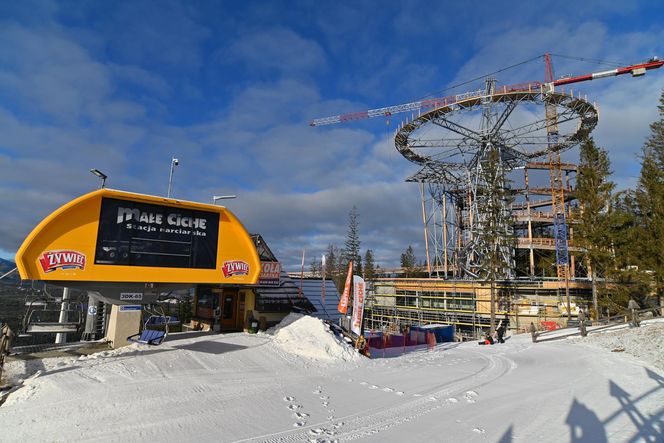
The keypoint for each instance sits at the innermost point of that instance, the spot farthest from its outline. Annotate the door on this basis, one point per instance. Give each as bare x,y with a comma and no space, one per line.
229,309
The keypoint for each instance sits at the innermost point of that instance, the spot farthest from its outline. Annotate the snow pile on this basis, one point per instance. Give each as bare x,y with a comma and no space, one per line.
18,370
310,337
645,343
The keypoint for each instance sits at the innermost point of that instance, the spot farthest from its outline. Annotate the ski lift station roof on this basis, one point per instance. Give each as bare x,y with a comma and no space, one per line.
311,299
312,288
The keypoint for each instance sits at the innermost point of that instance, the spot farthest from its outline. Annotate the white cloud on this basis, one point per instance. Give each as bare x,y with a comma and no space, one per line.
389,218
278,49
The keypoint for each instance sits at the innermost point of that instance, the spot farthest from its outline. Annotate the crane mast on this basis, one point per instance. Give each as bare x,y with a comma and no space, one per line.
557,190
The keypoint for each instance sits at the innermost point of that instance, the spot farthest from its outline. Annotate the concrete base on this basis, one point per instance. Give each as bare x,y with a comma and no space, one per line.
125,321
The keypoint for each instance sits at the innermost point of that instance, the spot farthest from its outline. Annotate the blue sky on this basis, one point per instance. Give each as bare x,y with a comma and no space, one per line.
229,88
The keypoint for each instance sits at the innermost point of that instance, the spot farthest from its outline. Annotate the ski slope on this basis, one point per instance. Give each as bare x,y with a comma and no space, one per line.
298,383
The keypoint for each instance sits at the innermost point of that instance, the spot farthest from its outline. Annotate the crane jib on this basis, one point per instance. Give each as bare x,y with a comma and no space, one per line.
635,70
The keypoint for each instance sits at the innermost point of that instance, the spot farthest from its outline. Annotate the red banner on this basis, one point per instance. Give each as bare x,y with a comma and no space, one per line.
343,303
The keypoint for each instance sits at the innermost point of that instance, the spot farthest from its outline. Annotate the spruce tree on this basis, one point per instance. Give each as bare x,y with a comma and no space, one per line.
593,216
494,236
369,265
332,265
352,244
409,262
650,202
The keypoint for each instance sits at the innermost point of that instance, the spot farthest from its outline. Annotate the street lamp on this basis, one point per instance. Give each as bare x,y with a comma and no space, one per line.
174,163
101,175
221,197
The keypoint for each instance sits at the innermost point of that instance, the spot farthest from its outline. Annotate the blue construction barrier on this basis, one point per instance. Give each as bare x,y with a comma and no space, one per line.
416,338
443,333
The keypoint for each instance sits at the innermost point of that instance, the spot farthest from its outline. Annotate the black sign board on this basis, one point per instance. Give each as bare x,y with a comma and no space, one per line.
142,234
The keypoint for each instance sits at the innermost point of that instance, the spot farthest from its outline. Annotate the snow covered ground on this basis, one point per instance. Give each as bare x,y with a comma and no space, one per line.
298,383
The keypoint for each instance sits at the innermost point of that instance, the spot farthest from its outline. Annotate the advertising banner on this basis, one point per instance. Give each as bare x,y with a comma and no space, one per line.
343,302
270,273
358,304
142,234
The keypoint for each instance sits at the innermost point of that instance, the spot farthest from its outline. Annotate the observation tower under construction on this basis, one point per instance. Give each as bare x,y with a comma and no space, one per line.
497,205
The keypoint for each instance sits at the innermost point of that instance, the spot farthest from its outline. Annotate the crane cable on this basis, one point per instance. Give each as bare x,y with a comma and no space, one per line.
582,59
432,94
591,60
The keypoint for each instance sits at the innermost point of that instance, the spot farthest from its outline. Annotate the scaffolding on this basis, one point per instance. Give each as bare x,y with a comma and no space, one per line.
396,303
453,155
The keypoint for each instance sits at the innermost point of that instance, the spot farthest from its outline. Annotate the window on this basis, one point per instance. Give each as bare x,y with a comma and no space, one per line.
207,301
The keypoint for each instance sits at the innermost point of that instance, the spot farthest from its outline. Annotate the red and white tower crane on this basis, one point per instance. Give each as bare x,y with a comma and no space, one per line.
549,84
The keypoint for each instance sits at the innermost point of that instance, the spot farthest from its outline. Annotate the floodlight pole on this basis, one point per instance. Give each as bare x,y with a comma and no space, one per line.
221,197
174,162
101,175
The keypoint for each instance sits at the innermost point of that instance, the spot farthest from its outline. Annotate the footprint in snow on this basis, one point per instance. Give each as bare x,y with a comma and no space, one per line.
399,393
294,407
479,430
470,396
325,403
318,390
289,399
301,415
364,383
317,431
452,400
324,397
388,390
373,387
299,424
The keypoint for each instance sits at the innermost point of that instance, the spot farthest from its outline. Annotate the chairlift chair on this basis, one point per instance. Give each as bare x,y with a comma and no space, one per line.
153,336
42,314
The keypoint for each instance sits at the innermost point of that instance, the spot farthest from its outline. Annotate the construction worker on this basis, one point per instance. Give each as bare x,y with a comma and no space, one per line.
533,331
500,332
582,323
633,306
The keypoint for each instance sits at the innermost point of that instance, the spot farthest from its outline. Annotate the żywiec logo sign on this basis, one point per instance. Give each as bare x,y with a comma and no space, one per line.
235,267
52,260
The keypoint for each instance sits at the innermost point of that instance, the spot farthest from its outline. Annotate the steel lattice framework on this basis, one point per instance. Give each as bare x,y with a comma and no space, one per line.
466,150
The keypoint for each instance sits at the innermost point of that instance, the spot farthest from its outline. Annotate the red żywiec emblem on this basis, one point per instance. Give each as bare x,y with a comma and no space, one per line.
52,260
235,267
